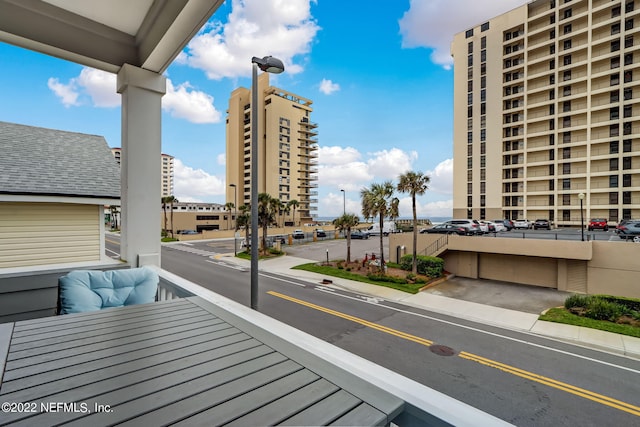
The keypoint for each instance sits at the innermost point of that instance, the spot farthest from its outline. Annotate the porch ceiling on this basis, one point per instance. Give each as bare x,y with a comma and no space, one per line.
105,35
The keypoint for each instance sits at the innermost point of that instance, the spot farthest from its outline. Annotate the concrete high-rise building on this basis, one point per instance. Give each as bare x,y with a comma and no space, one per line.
166,167
547,113
287,149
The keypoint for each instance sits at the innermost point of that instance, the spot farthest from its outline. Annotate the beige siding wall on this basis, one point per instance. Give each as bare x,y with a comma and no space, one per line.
48,233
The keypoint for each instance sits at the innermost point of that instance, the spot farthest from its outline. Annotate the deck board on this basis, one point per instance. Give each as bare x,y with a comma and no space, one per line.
180,362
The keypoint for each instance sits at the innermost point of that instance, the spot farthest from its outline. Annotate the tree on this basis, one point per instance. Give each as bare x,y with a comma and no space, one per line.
346,222
266,215
171,200
416,184
244,221
378,201
277,207
294,204
228,206
165,202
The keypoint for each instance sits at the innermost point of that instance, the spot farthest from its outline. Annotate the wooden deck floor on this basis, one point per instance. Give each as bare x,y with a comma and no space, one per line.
184,362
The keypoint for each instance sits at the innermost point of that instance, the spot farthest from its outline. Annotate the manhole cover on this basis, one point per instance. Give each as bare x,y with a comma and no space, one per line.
442,350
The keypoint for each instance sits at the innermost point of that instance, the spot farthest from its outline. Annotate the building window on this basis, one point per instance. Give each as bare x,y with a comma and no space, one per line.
483,55
627,111
552,139
567,44
626,180
613,198
615,28
615,62
469,111
566,215
469,60
566,29
566,199
614,130
483,42
552,79
483,108
628,76
469,98
566,75
470,73
615,11
469,188
470,47
484,27
483,161
626,146
628,59
567,13
614,147
483,82
628,24
483,134
566,91
613,181
468,33
626,128
552,154
566,153
628,7
567,60
566,137
566,106
614,96
626,163
626,197
483,69
614,113
614,80
615,45
628,94
552,34
628,41
566,168
552,64
613,164
552,94
483,95
552,49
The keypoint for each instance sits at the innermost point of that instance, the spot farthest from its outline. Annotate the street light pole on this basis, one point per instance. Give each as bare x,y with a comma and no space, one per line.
344,202
581,197
267,64
235,212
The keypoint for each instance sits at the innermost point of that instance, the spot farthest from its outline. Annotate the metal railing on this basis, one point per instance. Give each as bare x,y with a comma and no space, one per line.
437,247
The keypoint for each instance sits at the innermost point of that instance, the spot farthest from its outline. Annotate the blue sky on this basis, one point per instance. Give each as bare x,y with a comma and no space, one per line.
379,73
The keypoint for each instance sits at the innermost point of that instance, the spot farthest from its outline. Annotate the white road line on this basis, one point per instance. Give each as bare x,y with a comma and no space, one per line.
114,253
544,347
282,280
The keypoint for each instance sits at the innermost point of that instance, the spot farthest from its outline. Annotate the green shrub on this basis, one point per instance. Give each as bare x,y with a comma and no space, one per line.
601,309
427,265
577,301
378,277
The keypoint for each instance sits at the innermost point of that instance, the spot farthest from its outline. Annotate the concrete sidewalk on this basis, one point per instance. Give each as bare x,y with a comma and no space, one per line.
482,313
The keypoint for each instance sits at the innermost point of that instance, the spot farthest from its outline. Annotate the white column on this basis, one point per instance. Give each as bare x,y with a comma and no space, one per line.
142,93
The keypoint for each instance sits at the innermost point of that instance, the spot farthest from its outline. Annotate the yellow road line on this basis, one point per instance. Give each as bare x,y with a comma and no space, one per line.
608,401
604,400
355,319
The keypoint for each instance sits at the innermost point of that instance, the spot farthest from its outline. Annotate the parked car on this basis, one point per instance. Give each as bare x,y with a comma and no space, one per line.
472,226
357,234
630,230
520,224
541,224
188,232
498,226
508,224
491,227
298,234
598,224
446,229
623,222
320,232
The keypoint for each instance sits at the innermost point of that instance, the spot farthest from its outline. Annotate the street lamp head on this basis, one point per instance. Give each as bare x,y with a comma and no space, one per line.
232,185
581,196
342,191
269,64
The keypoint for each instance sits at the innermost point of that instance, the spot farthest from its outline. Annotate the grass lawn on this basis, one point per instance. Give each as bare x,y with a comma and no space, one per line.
247,255
412,288
561,315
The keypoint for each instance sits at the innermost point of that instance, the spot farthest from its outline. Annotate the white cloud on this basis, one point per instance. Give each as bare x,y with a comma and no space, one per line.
338,155
425,210
100,86
433,23
67,93
328,87
441,178
388,164
287,28
181,101
185,103
222,159
195,184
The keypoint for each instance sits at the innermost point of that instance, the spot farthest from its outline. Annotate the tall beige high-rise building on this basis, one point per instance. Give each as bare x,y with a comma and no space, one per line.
547,113
166,167
287,149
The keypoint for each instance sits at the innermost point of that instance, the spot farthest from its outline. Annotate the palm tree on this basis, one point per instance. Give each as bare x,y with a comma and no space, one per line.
244,220
276,206
294,204
378,201
345,222
165,202
171,200
228,206
416,184
266,216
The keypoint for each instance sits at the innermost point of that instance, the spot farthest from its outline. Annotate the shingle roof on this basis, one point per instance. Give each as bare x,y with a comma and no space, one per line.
43,161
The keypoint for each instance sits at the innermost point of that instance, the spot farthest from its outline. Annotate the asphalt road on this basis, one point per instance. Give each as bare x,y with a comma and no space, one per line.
521,378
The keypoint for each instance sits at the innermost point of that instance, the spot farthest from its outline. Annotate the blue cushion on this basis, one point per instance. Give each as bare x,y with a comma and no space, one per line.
89,290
